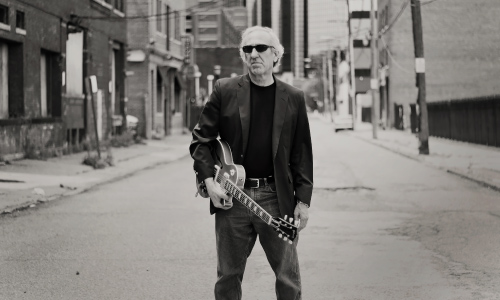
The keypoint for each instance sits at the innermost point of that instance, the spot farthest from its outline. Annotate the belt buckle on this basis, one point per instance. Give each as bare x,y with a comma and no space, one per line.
258,184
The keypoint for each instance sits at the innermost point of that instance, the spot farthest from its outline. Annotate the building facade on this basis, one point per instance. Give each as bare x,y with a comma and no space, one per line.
460,49
216,29
154,61
47,49
288,18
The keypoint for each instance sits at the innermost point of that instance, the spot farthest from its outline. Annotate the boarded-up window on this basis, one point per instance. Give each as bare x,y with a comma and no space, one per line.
159,18
43,85
50,84
74,64
4,81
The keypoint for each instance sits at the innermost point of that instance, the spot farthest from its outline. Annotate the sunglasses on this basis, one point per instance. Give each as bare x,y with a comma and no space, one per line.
259,48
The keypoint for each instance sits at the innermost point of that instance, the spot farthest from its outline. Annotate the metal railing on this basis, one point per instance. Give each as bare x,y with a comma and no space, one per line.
473,120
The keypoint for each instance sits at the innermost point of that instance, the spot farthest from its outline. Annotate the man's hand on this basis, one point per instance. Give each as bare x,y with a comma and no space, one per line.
217,195
301,214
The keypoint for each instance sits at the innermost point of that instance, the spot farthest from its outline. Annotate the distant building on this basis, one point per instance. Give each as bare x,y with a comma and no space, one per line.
47,48
460,49
155,57
327,27
216,28
288,18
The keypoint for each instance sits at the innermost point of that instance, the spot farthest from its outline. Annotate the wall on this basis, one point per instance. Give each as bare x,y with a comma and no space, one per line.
461,50
23,139
46,23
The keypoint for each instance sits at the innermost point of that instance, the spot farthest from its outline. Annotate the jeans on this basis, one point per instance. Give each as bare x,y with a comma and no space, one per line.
236,232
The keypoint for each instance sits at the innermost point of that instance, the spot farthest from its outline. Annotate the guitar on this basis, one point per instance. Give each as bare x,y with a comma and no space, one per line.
231,178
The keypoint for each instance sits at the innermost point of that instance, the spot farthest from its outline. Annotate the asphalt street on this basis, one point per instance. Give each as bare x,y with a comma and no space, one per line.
381,226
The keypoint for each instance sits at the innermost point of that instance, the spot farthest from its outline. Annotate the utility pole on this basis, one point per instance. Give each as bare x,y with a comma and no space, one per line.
337,79
374,83
418,42
326,102
330,83
352,92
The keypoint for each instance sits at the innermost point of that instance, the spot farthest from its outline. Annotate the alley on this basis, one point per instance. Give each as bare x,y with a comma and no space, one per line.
381,226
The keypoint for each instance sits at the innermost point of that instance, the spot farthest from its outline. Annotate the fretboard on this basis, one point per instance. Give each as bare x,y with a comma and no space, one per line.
244,199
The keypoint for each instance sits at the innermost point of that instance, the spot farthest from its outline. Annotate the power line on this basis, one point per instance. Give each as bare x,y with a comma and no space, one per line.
213,4
386,48
396,18
427,2
40,9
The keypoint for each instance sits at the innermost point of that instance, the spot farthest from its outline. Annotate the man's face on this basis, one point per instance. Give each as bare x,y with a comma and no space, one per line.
259,63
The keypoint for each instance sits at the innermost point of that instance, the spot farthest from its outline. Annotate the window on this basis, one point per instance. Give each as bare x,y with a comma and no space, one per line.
159,92
43,86
117,57
11,80
171,25
159,19
177,28
119,5
188,24
4,14
50,85
74,64
4,81
20,20
167,21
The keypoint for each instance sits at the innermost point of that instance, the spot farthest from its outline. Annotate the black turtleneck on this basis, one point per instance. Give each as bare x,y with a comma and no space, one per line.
258,162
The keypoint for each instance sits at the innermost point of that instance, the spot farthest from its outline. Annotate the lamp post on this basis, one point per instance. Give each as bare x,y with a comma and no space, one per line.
217,70
197,76
210,79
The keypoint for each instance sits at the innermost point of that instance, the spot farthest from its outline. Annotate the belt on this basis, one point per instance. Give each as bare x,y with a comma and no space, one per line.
254,183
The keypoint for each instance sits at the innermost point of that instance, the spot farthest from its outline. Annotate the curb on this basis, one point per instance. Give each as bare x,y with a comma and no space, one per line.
418,159
33,203
480,182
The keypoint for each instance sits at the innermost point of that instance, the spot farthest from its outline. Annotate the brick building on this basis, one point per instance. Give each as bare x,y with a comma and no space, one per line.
157,93
288,18
47,48
216,29
460,46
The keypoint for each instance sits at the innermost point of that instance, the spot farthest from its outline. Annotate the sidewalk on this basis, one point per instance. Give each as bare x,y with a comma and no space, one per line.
26,183
477,163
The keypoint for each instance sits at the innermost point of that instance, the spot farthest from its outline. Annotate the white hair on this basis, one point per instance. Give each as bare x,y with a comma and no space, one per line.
275,42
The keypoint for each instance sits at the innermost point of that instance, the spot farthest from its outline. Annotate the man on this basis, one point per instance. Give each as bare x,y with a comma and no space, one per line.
265,123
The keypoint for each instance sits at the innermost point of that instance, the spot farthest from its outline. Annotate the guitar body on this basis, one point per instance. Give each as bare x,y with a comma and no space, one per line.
231,171
231,179
224,161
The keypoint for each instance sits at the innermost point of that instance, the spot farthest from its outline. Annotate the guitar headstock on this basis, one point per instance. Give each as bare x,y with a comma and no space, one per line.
286,227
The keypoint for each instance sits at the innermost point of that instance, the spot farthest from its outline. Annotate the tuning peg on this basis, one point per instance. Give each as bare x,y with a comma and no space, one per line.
291,220
286,217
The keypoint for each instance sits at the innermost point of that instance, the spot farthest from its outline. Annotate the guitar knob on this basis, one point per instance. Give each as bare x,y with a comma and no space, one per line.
280,235
290,242
285,238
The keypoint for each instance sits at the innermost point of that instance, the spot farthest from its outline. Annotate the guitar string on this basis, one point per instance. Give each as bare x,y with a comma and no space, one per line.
266,217
223,180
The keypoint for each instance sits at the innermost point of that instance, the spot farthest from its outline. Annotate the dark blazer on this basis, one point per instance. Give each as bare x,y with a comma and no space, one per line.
227,114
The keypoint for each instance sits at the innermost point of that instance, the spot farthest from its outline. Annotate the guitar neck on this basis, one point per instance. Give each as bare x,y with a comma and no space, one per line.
238,194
